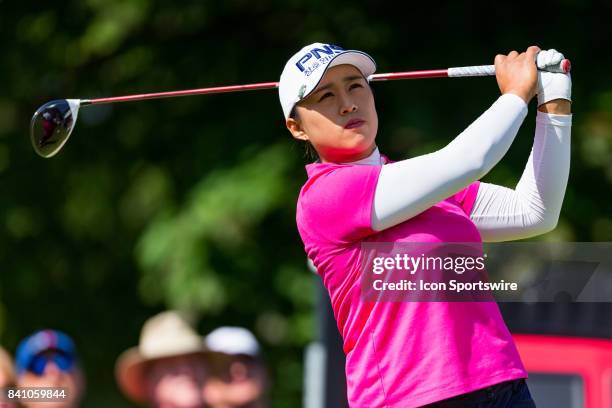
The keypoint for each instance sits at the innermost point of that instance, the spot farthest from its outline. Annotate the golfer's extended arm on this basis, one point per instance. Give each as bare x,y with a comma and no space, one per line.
533,207
408,187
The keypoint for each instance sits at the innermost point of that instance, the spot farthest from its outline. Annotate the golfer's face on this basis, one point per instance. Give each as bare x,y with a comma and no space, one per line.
339,117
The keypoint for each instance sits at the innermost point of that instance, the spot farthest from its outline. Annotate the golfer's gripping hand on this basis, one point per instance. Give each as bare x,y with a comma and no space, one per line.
517,73
552,85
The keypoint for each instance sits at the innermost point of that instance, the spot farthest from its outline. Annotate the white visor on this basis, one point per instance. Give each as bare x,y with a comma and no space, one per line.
304,70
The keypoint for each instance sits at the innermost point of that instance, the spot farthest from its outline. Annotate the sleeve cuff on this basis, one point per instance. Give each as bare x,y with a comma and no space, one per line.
515,102
553,119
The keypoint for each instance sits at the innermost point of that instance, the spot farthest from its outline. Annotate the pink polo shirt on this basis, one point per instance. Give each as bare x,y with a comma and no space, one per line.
399,354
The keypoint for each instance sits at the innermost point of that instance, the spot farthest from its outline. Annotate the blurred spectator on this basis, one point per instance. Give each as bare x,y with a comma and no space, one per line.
7,373
237,374
7,376
48,358
167,368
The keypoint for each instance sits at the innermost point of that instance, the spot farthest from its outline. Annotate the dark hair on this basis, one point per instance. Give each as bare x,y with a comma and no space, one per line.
309,151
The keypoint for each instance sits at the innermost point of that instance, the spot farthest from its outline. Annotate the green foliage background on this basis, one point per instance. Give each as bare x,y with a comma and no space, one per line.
190,202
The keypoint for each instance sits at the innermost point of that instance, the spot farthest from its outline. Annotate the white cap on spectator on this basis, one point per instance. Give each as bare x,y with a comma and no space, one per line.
232,340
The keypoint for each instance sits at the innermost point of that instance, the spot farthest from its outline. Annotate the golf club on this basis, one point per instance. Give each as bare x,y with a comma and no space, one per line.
54,121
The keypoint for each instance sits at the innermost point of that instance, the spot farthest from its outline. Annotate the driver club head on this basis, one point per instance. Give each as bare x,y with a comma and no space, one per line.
52,125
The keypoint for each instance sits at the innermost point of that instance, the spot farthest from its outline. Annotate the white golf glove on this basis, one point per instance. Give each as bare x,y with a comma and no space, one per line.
552,85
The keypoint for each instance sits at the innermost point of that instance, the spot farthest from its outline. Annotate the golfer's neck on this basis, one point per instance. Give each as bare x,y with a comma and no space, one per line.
352,159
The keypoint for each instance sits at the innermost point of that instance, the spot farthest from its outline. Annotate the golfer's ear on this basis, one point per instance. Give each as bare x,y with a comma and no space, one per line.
296,129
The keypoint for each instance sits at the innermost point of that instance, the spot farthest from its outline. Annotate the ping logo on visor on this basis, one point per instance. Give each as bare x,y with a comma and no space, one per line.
317,57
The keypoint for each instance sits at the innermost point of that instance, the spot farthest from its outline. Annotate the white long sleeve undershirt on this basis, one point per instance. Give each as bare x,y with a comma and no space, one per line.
408,187
533,207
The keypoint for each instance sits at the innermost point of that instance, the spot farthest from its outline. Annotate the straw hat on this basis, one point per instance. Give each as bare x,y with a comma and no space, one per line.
164,335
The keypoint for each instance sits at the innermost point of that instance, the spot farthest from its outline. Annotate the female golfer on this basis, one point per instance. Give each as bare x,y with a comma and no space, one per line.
409,354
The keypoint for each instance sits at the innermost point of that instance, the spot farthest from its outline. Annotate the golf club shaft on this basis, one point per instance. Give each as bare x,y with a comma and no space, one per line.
479,70
188,92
